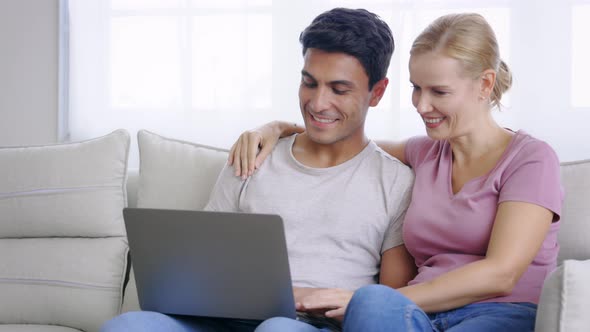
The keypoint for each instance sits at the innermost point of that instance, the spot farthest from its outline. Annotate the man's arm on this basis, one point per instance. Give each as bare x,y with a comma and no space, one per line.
397,267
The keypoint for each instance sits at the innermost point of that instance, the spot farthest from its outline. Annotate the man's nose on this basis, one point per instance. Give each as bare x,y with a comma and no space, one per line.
321,99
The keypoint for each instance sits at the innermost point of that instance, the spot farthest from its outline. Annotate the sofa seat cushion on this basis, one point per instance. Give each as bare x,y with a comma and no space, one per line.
35,328
62,236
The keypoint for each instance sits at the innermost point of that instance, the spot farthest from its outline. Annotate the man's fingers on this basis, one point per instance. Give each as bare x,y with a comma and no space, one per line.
336,313
321,302
327,299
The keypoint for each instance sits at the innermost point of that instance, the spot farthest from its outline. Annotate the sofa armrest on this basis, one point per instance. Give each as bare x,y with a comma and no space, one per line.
563,306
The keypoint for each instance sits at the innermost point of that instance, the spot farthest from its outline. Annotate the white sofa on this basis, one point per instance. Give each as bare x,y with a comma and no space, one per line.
180,175
63,250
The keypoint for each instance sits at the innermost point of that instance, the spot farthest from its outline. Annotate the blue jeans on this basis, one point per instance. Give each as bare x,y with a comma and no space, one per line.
303,323
381,308
149,321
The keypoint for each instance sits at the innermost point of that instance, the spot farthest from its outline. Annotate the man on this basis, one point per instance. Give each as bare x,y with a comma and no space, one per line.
342,198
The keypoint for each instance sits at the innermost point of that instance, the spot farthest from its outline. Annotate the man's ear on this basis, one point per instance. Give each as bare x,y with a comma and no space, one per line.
378,91
488,80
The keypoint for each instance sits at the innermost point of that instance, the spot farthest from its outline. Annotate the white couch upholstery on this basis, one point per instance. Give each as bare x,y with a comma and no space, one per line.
566,293
63,250
177,174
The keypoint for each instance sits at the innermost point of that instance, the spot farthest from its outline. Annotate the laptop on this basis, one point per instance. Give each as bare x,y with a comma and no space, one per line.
211,264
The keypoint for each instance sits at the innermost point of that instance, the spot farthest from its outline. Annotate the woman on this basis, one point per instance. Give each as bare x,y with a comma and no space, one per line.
482,224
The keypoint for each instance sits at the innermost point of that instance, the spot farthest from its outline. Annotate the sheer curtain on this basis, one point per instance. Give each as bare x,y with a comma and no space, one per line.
205,70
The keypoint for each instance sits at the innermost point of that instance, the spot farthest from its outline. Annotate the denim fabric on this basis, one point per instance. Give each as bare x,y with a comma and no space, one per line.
283,324
147,321
381,308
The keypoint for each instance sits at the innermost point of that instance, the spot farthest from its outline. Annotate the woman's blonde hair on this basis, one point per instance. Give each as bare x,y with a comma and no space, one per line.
468,38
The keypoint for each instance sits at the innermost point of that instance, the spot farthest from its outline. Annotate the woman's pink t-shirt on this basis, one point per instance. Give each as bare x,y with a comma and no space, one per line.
444,231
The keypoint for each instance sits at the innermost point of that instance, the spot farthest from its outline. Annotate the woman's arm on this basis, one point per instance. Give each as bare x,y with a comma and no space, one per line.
244,154
396,149
517,235
245,157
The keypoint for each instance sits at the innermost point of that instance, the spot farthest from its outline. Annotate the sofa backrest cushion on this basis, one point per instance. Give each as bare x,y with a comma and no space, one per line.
77,186
62,237
575,217
175,174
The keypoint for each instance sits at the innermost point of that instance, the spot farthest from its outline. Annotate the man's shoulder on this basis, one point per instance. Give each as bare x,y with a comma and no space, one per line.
284,145
389,168
380,156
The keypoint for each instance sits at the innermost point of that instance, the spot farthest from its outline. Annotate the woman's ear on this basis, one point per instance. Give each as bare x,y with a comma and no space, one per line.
378,91
488,80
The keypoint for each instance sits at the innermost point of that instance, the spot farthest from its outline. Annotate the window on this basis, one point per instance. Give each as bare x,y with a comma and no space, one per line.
580,66
205,70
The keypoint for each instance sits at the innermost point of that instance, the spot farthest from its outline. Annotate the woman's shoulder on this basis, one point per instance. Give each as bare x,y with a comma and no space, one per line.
424,142
526,147
421,148
528,157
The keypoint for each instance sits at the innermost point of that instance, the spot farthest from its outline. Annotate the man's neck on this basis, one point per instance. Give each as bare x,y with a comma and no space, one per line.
316,155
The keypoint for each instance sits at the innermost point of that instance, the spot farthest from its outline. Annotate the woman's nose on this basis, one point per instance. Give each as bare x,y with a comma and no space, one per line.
423,105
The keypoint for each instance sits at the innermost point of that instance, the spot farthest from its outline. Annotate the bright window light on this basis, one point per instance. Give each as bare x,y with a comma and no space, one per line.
580,55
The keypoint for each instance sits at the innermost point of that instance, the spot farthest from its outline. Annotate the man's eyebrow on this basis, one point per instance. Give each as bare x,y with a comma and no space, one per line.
306,74
343,82
346,83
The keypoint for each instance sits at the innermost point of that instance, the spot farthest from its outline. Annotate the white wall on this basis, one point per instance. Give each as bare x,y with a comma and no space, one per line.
28,71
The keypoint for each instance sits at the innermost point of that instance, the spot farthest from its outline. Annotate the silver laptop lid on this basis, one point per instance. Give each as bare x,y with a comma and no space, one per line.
214,264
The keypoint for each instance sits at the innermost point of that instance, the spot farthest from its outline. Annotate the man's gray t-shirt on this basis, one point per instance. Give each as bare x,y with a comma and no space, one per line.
338,220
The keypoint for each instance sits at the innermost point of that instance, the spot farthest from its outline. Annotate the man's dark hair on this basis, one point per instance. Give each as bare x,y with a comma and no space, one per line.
356,32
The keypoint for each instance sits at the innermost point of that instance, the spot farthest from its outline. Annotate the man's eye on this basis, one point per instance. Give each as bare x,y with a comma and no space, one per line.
440,93
340,92
308,84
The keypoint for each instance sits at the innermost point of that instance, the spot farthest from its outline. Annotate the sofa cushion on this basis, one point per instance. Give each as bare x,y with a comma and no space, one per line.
175,174
575,224
64,251
562,306
74,189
